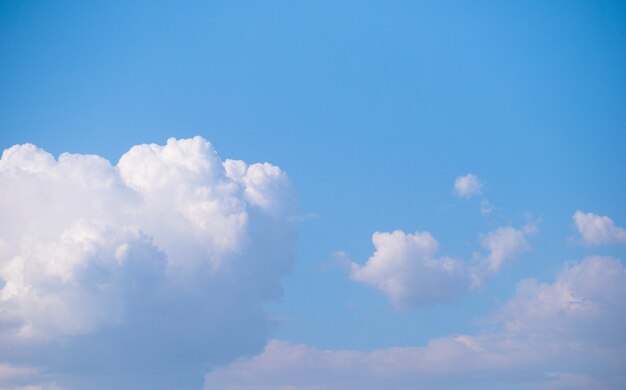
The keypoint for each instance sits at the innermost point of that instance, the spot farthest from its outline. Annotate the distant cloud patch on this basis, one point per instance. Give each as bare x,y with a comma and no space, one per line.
467,186
565,334
598,230
503,243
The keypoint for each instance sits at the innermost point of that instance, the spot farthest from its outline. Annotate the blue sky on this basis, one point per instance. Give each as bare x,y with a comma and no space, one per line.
373,111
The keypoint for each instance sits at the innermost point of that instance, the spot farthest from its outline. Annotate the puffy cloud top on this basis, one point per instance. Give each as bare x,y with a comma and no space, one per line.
405,268
598,230
161,252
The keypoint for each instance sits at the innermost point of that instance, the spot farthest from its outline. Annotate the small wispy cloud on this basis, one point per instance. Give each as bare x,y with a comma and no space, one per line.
467,186
503,243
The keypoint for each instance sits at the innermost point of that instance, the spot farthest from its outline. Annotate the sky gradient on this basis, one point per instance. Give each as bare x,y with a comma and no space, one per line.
312,194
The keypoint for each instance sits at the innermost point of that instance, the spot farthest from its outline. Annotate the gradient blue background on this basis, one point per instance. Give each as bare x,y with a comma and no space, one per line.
373,109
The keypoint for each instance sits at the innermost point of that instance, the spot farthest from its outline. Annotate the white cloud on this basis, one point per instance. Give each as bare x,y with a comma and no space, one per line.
569,333
159,264
405,268
467,186
598,230
503,244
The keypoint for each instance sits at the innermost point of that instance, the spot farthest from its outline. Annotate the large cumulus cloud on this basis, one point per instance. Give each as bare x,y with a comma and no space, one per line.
158,264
